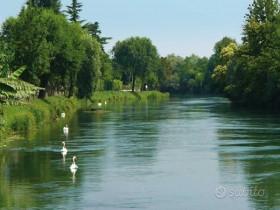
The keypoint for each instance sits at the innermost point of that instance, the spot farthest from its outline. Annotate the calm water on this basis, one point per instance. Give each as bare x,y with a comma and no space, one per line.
195,153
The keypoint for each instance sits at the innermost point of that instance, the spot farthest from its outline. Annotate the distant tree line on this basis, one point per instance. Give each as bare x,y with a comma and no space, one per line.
64,55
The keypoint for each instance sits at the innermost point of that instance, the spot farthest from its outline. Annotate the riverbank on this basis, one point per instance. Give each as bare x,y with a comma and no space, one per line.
121,96
29,116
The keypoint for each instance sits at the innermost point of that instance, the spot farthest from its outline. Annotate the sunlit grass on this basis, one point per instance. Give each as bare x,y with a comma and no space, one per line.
31,115
128,96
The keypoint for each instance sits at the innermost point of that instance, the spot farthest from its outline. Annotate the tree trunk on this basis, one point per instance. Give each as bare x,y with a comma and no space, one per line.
71,88
133,83
44,84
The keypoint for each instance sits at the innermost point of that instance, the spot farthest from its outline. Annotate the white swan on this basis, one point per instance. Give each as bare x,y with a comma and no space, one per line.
63,115
74,166
64,149
66,130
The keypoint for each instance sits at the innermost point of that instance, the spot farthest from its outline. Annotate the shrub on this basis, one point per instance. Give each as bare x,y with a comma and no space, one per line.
117,85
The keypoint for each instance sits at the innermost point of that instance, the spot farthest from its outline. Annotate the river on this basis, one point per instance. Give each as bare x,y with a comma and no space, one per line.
185,153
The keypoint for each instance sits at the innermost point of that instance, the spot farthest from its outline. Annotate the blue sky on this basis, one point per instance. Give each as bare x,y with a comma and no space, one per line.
181,27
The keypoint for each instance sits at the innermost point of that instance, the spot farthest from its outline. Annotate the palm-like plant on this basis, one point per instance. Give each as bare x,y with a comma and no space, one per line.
13,90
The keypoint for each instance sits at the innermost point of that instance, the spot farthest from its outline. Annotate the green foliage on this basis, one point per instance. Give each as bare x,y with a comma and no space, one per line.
249,74
137,57
24,121
94,30
2,121
215,60
169,73
14,90
55,52
184,75
117,85
6,56
30,116
220,72
32,41
113,96
74,11
55,5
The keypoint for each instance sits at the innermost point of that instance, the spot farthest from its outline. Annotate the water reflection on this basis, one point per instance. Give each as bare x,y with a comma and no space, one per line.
63,153
249,143
73,171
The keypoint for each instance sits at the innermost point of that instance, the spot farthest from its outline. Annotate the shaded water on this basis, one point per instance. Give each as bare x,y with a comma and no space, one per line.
193,153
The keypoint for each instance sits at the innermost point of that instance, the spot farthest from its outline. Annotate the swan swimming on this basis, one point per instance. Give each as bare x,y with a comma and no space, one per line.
63,115
66,130
64,149
74,166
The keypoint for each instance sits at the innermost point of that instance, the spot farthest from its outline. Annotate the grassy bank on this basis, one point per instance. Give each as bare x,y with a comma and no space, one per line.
128,96
21,119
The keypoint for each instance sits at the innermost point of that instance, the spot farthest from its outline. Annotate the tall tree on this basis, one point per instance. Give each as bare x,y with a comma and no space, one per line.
94,31
74,10
49,46
262,13
215,60
90,67
250,72
220,72
169,73
137,56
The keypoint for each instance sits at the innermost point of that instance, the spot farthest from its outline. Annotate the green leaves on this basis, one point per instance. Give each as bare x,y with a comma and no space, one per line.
74,11
55,5
250,73
13,90
15,75
184,75
137,56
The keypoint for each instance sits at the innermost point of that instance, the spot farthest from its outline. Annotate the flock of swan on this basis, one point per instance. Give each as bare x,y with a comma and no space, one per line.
74,166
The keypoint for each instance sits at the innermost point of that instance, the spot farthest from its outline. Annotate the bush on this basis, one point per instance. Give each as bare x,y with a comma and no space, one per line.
99,86
117,85
19,118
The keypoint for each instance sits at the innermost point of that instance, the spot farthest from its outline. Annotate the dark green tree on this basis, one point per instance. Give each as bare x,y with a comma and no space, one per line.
250,73
169,73
48,4
74,10
49,46
214,61
137,57
183,75
90,67
94,31
192,73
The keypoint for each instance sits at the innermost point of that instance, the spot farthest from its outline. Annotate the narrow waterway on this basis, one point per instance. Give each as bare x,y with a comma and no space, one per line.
190,153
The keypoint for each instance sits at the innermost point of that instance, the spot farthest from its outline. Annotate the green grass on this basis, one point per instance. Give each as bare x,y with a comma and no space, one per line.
116,96
21,119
